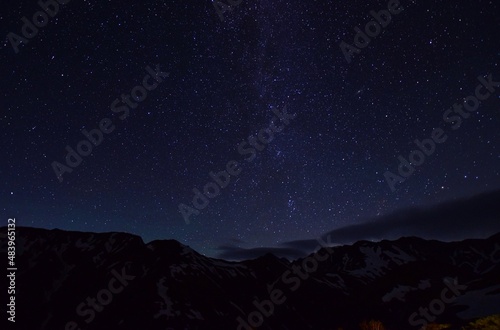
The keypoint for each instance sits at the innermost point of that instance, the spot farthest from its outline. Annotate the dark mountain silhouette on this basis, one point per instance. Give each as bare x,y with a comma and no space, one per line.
166,285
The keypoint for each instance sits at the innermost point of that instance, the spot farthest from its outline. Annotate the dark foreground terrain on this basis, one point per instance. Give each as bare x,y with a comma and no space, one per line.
75,280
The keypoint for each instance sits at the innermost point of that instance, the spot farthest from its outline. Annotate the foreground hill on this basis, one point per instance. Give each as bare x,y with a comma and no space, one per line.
75,280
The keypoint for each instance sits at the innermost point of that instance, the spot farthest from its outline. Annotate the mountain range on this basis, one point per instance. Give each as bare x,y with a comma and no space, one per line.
76,280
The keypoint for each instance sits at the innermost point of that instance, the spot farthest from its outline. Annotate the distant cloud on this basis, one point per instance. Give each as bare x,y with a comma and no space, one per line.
305,245
475,217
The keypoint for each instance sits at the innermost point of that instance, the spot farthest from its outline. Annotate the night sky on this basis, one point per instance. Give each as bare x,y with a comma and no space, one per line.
218,83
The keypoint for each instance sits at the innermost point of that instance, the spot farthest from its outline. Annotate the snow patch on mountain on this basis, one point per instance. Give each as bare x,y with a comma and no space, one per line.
400,291
400,257
480,303
166,304
374,263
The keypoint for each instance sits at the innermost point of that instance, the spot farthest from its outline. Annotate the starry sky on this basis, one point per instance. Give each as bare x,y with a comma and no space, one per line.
221,81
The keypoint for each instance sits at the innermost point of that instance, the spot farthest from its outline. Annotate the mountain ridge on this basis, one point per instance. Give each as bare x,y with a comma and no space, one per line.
387,280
